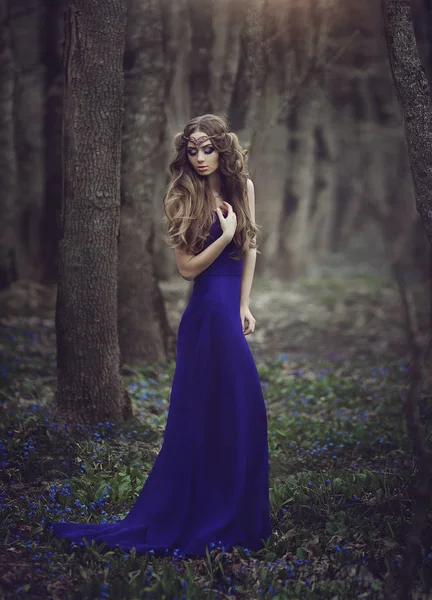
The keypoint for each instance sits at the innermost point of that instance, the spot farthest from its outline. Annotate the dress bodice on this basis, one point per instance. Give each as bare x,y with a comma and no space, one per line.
224,264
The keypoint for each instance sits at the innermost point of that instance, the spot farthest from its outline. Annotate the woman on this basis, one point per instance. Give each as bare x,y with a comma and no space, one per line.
209,483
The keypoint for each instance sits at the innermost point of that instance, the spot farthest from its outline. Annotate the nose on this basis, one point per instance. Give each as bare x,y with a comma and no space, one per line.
200,157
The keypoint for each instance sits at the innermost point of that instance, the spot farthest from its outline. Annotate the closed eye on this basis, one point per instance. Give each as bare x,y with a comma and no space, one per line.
207,150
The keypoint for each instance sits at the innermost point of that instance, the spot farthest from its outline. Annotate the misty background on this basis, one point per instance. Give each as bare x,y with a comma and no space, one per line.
307,87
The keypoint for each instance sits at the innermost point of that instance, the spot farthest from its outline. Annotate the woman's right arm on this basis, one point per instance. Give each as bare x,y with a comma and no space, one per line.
190,265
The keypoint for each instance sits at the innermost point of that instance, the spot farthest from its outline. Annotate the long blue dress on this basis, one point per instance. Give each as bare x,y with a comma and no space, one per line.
210,480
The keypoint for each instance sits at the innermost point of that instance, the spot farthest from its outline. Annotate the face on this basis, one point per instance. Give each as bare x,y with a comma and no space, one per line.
204,158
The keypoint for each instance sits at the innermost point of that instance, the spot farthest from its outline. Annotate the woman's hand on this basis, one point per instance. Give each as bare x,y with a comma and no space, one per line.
247,320
228,223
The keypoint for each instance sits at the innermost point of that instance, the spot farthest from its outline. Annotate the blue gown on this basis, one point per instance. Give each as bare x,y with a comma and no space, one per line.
210,480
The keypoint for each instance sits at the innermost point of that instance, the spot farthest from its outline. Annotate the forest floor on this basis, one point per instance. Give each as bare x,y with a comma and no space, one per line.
334,364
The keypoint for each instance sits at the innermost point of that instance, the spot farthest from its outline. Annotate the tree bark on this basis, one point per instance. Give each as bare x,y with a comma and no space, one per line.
53,40
227,22
177,53
268,171
8,167
414,96
202,37
297,240
251,73
324,219
89,387
413,92
144,332
27,19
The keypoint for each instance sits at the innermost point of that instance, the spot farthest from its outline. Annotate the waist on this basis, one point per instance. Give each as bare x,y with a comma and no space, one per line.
216,288
231,269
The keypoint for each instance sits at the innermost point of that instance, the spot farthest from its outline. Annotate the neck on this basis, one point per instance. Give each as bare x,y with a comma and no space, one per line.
214,182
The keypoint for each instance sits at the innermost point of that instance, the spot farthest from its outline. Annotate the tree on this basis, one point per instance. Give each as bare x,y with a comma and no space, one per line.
53,40
89,386
144,332
26,21
8,176
201,40
413,92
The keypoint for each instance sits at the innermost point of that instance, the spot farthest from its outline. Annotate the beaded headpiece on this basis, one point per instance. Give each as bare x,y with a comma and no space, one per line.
198,141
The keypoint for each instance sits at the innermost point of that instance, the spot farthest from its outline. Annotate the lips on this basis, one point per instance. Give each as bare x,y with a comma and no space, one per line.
202,168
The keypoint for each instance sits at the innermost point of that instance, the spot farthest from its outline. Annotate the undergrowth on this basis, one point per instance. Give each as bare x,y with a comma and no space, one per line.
341,470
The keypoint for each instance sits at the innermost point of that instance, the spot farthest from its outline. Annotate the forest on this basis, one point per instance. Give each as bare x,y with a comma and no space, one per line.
332,101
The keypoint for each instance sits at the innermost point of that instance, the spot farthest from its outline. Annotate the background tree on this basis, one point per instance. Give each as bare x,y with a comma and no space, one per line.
144,332
52,41
8,176
26,24
89,385
201,43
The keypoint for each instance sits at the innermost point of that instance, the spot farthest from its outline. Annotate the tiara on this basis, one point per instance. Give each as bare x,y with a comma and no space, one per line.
201,139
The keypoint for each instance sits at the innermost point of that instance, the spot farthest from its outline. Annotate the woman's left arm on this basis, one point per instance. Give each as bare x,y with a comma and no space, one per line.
248,321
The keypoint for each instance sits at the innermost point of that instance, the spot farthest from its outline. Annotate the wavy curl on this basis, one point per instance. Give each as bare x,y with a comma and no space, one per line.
188,206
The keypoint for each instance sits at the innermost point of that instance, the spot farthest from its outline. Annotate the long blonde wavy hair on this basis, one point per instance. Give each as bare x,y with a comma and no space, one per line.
188,206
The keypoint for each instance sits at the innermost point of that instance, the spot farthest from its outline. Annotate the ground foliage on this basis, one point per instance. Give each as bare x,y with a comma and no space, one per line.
334,368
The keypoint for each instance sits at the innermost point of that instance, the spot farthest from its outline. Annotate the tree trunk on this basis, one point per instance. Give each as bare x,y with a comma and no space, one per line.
8,182
53,138
177,56
227,22
202,37
251,74
176,110
90,388
27,19
296,236
268,171
325,217
413,92
267,133
414,96
144,332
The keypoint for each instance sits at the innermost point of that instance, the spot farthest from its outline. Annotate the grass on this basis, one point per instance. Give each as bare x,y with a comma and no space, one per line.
341,467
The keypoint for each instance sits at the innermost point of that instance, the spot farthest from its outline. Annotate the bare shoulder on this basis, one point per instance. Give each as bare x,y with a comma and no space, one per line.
251,197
